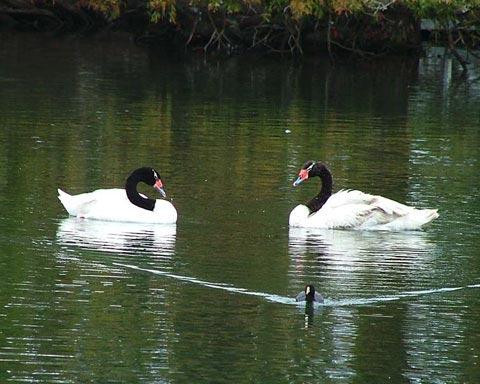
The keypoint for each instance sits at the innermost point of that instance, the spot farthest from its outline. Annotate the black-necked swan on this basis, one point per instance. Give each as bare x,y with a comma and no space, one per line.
353,209
309,295
127,204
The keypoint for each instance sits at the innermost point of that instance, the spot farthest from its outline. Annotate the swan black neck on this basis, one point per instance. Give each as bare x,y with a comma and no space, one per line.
318,201
310,296
140,175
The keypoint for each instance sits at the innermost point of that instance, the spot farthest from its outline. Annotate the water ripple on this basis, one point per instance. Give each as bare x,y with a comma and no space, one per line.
288,300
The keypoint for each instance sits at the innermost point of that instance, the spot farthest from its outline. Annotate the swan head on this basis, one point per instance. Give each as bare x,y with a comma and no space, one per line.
309,169
149,176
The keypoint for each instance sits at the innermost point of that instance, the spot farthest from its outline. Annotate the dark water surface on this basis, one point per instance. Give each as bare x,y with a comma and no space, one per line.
210,299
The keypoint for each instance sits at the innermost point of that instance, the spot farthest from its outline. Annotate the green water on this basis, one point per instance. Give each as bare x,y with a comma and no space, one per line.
209,300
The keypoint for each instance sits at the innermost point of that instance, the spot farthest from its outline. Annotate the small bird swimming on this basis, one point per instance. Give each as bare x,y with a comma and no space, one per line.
309,295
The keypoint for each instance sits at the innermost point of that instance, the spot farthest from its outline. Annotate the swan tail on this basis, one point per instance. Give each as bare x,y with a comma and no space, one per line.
422,217
67,201
415,220
430,215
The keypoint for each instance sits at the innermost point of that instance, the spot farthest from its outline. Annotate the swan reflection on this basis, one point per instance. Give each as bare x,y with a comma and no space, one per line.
357,263
117,237
350,247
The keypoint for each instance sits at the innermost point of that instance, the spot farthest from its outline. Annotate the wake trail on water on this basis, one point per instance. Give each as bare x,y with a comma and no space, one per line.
222,286
288,300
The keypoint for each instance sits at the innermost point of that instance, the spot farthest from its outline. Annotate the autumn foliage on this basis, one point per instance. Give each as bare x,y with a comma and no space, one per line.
364,27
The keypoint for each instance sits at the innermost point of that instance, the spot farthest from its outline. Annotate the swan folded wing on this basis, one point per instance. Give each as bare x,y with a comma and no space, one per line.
74,203
345,216
354,197
414,220
347,197
397,216
391,207
374,217
301,297
84,210
378,217
360,216
84,203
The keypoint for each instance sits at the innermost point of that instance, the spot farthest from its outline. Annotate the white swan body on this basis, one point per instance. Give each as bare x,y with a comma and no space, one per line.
124,205
351,209
358,210
113,205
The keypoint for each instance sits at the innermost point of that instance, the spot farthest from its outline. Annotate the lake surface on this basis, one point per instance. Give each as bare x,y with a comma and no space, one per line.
210,299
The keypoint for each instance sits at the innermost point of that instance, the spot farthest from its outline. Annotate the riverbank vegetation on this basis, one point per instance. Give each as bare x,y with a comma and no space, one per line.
361,27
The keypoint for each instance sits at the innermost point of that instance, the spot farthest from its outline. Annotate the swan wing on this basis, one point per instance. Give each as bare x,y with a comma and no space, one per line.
74,203
301,297
345,211
84,204
351,196
355,209
318,298
343,216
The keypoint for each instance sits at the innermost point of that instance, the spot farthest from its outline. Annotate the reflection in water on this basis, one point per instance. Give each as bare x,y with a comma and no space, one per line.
345,254
117,237
309,314
356,242
85,260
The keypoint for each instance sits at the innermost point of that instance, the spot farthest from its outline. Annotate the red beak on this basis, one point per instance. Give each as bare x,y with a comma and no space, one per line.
159,187
302,176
